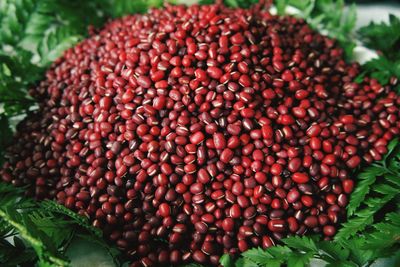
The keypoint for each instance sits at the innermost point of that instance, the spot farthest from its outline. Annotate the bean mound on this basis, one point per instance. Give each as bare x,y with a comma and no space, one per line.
190,132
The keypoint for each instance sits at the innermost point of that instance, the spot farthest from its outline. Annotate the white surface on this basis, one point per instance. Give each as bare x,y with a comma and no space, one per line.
86,254
377,13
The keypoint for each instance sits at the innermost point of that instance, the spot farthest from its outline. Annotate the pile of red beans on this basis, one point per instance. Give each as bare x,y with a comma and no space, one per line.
186,133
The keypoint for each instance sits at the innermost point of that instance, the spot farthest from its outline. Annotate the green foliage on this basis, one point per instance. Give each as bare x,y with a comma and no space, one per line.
31,226
327,16
16,74
120,8
41,231
240,3
365,179
5,133
232,3
33,34
77,219
383,37
379,185
226,260
382,69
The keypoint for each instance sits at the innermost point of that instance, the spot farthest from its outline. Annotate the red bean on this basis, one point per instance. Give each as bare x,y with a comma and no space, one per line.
311,221
353,162
300,178
197,138
214,72
228,224
164,210
329,230
199,256
235,211
219,141
314,130
226,155
293,196
277,225
267,132
348,185
276,169
203,127
144,81
294,164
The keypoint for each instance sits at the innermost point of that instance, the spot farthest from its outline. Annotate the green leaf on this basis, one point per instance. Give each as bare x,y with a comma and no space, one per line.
365,179
279,251
392,146
244,262
206,2
299,259
359,256
54,44
382,69
123,7
5,132
41,227
350,19
231,3
301,243
333,251
76,218
281,6
257,255
383,37
226,260
385,235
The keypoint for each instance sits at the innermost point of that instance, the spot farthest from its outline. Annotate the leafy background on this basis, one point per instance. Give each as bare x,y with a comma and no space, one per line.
33,33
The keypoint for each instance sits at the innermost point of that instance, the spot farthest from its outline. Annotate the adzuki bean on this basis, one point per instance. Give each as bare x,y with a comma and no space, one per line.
213,129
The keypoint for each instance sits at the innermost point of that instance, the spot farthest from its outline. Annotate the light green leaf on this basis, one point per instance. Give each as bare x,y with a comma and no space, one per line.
299,259
226,260
301,243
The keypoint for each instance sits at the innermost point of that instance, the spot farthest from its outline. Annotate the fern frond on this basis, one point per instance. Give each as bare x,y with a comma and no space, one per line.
364,181
82,221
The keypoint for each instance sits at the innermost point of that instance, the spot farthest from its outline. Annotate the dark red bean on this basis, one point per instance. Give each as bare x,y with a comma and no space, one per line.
164,210
353,162
199,256
226,155
219,141
300,178
277,225
205,128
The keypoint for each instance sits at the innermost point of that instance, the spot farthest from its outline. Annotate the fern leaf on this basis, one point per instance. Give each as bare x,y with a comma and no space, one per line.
257,255
365,180
301,243
353,225
299,259
334,251
78,219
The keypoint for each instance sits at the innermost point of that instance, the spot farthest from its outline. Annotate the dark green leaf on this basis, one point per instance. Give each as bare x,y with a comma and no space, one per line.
5,132
365,180
333,251
359,256
383,37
